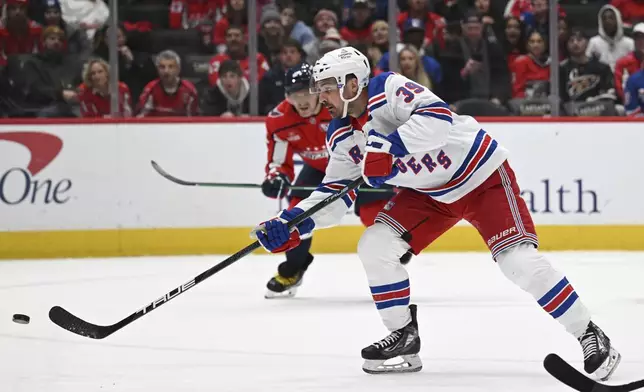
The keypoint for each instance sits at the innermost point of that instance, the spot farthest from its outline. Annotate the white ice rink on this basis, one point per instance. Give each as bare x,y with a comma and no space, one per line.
480,333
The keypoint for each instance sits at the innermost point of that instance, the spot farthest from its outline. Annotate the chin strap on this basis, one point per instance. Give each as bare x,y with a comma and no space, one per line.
348,101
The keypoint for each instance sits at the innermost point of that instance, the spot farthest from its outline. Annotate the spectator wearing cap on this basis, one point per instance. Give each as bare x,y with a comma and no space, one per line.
414,36
168,95
537,17
530,73
236,50
49,78
88,16
434,24
379,41
235,15
271,88
583,78
610,43
632,10
18,33
358,28
94,92
323,21
136,68
271,34
77,42
631,63
474,67
293,27
331,41
229,97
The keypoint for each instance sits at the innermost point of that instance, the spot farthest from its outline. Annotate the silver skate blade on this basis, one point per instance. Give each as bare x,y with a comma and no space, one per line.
289,293
402,364
609,366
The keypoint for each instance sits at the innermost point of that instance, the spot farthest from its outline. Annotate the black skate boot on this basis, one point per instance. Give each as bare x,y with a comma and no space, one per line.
600,357
404,343
285,283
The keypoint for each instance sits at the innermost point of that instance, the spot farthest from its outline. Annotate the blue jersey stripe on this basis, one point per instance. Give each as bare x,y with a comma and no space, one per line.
553,292
443,117
340,138
390,287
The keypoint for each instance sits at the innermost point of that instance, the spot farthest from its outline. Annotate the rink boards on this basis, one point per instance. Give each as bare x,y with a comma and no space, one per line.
74,189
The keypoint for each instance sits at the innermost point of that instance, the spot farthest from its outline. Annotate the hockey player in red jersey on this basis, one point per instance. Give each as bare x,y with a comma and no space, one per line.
389,129
298,125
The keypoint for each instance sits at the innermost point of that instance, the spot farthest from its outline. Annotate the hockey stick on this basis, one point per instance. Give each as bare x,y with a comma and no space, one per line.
564,372
68,321
179,181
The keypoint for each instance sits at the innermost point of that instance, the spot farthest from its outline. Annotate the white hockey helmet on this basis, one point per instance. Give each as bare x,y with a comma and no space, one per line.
338,64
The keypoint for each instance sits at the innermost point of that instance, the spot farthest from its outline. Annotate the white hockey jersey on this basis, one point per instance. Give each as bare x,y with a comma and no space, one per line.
448,155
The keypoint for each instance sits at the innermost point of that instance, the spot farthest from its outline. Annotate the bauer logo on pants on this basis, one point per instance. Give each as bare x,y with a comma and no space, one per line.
20,185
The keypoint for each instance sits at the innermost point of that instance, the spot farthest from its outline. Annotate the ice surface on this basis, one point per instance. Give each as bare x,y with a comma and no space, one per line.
480,333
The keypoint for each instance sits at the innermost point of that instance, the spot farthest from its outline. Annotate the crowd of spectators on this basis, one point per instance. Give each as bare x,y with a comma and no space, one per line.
190,57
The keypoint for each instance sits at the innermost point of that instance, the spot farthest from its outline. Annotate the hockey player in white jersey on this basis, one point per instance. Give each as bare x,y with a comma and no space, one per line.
391,130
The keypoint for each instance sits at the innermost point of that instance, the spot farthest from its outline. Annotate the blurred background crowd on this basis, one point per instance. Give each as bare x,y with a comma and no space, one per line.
193,57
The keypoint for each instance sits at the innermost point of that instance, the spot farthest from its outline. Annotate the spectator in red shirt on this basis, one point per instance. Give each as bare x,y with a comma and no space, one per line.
531,72
18,34
236,51
632,10
631,63
358,27
236,15
169,95
94,93
434,23
186,14
514,42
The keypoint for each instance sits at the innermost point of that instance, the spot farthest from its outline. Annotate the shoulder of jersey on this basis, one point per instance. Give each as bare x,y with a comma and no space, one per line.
282,116
376,91
339,129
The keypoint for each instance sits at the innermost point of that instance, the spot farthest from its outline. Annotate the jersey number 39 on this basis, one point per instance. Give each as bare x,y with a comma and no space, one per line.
409,90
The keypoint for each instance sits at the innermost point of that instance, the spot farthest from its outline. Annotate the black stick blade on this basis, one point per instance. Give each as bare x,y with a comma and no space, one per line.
68,321
567,374
170,177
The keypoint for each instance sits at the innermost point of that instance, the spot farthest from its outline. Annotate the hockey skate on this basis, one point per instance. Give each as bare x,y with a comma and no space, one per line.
403,343
283,287
288,278
600,357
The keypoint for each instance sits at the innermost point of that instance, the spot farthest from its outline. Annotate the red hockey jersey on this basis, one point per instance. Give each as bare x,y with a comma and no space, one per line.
215,63
525,72
185,14
632,10
12,44
94,104
288,133
156,102
625,67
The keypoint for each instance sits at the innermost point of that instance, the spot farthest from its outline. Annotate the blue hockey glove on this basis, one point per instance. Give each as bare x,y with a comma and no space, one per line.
274,234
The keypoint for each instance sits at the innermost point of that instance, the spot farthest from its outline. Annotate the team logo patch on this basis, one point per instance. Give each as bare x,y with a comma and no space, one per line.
389,205
324,127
